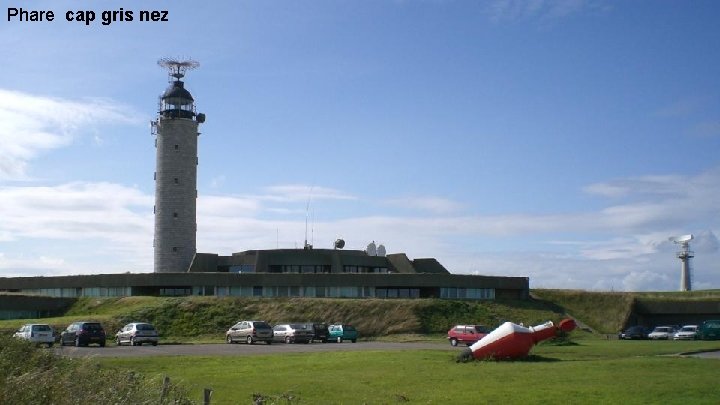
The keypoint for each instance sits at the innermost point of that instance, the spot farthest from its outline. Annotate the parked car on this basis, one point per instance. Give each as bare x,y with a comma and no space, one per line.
292,333
250,332
320,331
467,334
136,334
662,332
38,333
687,332
83,333
710,330
634,332
342,332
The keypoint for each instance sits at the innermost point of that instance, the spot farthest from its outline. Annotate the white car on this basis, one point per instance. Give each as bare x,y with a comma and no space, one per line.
137,333
38,333
662,332
687,332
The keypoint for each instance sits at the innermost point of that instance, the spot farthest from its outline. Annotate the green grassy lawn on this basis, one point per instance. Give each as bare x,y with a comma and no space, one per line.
587,371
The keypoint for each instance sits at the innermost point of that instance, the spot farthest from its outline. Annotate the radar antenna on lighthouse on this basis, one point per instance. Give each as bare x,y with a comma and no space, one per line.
177,68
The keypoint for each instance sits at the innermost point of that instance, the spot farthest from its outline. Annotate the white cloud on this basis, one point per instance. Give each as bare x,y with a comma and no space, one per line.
681,108
103,227
706,129
437,205
520,10
301,192
32,124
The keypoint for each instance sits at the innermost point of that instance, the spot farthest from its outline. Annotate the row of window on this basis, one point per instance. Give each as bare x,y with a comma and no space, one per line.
81,292
365,269
287,291
468,293
272,291
19,314
295,268
307,269
397,293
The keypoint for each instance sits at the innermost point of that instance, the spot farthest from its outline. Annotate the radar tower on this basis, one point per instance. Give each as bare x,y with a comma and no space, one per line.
684,254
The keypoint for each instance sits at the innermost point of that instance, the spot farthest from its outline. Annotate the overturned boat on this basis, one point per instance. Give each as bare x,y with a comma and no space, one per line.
512,341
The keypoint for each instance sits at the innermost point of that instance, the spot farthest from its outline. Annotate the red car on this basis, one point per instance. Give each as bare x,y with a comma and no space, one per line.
467,334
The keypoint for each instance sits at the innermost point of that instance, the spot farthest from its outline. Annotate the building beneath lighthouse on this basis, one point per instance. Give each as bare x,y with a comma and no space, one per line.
176,139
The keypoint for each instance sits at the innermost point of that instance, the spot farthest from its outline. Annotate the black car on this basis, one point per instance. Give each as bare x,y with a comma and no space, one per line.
320,331
83,334
634,333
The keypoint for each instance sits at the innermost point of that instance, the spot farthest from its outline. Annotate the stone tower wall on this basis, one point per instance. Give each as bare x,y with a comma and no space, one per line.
175,194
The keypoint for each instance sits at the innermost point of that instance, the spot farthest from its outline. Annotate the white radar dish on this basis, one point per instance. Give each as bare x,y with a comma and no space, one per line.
682,238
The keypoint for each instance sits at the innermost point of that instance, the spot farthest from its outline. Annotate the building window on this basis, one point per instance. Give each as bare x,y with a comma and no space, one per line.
175,214
174,292
177,181
468,293
177,147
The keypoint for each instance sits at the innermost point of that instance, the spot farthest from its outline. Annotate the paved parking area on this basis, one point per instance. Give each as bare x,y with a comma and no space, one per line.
242,349
708,355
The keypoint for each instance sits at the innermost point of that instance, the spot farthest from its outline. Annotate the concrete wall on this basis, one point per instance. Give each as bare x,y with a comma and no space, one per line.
23,306
653,312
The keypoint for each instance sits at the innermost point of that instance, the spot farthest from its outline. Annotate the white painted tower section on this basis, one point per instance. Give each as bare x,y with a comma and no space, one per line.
176,130
684,254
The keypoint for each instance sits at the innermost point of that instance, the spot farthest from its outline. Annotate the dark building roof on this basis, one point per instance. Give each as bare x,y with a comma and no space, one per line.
335,260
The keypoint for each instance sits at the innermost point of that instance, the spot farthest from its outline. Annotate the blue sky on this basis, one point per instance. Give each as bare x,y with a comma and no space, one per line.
565,141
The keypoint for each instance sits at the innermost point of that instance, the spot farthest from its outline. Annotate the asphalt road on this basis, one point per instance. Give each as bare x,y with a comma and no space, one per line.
242,349
708,355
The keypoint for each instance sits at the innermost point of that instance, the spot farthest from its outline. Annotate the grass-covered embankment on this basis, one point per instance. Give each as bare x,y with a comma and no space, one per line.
207,318
202,318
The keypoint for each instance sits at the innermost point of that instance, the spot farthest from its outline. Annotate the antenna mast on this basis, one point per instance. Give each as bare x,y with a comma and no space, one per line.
307,213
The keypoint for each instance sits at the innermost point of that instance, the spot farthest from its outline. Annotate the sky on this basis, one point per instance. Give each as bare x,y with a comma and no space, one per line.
565,141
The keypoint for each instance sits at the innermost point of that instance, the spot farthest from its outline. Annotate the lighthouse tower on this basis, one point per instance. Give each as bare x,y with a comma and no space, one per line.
176,133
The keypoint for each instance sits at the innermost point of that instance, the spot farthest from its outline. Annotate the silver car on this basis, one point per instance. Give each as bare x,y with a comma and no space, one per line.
38,333
137,333
293,333
662,332
687,332
249,332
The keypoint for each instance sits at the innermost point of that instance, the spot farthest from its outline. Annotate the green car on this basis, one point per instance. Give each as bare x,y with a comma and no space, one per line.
341,332
710,330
